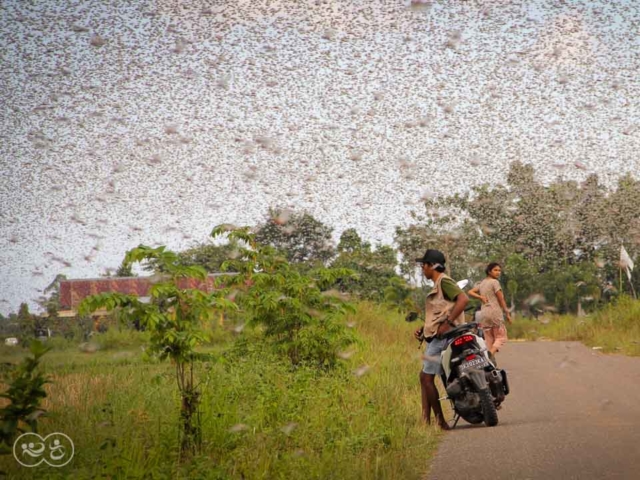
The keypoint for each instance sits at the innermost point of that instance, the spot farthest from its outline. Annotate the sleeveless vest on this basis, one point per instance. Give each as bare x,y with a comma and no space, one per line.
437,308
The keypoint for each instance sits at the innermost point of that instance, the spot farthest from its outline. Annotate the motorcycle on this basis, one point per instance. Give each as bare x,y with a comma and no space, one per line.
474,386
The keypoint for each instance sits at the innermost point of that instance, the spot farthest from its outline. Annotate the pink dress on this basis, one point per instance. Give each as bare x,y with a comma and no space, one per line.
491,317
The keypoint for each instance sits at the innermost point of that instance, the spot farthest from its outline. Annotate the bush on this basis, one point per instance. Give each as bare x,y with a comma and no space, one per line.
61,343
113,339
24,393
299,316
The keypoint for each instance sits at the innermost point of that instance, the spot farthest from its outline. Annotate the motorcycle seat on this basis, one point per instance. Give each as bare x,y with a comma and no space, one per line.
460,329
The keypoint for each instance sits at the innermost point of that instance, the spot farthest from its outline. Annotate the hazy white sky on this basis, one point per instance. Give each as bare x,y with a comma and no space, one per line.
151,122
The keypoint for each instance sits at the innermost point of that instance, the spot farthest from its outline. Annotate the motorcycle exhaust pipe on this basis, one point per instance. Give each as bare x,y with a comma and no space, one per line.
505,382
496,385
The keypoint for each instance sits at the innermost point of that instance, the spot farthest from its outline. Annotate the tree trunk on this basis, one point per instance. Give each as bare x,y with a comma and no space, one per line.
189,413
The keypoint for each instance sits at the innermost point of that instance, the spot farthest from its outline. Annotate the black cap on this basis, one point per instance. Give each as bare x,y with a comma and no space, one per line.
432,256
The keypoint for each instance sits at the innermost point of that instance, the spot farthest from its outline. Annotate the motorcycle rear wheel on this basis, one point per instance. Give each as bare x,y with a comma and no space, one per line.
488,408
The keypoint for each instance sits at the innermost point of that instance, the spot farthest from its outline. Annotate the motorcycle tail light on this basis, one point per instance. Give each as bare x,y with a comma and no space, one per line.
463,339
470,357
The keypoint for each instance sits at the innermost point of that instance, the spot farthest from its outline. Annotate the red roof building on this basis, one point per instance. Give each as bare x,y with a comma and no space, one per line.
72,292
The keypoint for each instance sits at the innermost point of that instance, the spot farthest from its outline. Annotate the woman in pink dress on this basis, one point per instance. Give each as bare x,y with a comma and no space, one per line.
489,292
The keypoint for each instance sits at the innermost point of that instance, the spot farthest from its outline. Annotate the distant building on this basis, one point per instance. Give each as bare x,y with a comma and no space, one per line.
72,292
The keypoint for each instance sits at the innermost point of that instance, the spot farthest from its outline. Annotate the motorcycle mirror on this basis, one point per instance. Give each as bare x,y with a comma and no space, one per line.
463,283
411,317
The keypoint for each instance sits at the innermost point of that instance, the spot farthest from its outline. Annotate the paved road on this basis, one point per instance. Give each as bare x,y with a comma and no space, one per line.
573,413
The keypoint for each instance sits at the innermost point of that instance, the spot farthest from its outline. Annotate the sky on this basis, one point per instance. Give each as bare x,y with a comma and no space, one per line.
151,122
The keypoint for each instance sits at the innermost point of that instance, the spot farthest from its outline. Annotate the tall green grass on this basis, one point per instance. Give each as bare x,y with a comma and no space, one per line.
615,328
260,417
108,347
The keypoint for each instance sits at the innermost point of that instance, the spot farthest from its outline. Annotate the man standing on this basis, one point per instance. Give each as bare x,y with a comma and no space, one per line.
444,309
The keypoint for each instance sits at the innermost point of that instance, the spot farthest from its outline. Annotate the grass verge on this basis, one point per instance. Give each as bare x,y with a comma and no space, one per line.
260,417
615,328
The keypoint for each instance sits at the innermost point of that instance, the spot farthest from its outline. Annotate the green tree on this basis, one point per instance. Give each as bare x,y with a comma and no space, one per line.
50,302
566,287
350,242
124,270
512,292
27,322
455,237
299,236
375,268
539,232
10,325
397,293
622,220
5,326
520,278
589,210
210,256
299,315
175,318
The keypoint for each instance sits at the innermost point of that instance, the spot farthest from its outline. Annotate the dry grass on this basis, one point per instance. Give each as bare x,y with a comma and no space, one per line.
615,328
122,413
78,391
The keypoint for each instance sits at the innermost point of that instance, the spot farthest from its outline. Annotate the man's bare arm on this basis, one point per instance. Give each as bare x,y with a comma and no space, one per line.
458,308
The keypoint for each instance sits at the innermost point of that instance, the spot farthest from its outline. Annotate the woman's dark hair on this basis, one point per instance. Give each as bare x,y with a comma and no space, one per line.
491,266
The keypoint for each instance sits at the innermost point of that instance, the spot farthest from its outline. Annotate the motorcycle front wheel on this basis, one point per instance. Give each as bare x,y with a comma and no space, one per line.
488,408
473,419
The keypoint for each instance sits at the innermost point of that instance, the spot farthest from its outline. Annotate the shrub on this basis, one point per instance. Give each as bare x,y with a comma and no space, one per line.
301,319
174,320
25,392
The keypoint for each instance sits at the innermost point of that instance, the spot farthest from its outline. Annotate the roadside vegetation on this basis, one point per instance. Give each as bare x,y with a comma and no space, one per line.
613,329
260,417
299,363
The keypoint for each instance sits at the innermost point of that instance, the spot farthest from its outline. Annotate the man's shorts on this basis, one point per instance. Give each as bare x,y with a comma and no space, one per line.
432,364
